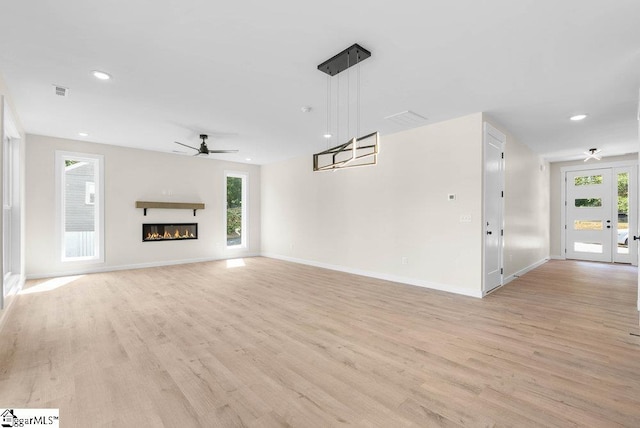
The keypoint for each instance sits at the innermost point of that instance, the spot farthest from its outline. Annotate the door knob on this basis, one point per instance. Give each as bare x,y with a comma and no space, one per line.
635,238
489,232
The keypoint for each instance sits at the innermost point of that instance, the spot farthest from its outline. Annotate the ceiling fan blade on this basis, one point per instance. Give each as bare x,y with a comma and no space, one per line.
185,145
223,151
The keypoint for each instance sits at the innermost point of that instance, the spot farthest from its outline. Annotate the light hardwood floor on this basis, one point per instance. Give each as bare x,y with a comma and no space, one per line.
278,344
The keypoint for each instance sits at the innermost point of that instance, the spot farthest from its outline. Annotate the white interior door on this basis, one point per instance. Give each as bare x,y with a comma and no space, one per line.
494,142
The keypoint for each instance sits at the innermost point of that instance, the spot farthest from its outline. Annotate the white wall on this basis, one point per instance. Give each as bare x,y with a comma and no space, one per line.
526,207
132,175
557,181
365,220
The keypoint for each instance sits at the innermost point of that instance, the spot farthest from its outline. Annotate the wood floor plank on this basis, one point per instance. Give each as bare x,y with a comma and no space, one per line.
277,344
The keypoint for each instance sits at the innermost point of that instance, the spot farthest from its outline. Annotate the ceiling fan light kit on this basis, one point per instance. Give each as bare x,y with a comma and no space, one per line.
593,154
358,151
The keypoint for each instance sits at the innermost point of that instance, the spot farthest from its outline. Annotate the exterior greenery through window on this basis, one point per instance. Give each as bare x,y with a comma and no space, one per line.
588,181
236,211
623,198
623,194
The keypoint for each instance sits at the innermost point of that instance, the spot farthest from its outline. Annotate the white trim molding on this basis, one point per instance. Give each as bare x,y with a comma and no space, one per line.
244,235
103,269
521,272
378,275
99,243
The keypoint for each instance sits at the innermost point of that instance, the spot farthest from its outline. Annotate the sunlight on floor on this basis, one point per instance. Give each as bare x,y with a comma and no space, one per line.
234,263
51,284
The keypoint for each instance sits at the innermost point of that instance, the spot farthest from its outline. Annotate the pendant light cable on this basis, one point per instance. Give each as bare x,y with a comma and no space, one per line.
328,132
338,111
348,95
358,100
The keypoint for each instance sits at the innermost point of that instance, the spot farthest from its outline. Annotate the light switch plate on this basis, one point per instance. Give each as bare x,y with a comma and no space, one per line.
465,218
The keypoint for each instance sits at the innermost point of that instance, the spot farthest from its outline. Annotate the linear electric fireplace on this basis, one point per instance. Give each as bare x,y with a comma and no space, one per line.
152,232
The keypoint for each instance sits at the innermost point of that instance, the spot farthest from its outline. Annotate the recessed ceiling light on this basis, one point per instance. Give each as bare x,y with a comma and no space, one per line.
83,134
248,159
101,75
327,135
578,117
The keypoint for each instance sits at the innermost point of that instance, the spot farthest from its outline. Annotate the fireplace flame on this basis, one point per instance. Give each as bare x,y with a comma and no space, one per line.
167,235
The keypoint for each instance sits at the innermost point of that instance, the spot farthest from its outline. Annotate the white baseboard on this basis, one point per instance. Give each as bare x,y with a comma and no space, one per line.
102,269
556,257
379,275
9,299
525,270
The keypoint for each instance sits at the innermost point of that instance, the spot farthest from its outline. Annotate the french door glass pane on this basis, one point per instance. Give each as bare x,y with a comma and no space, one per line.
623,213
588,247
587,224
588,203
588,180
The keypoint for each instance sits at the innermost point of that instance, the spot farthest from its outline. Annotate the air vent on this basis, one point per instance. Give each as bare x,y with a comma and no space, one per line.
407,119
61,90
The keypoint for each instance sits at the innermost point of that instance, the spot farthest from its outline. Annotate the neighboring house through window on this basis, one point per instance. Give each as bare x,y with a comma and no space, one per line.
90,193
79,179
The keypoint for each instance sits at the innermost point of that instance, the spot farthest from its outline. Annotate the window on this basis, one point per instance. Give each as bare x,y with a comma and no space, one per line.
236,212
79,179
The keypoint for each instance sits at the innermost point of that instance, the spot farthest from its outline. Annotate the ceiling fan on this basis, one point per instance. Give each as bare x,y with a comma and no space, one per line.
593,154
204,150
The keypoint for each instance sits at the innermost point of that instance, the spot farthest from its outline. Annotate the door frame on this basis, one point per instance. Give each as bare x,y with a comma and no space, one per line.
499,135
563,197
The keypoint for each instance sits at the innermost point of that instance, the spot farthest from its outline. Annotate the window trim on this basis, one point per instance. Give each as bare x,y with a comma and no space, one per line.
245,209
98,206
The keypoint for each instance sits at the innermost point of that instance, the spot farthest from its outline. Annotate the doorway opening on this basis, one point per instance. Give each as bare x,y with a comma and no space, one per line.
600,213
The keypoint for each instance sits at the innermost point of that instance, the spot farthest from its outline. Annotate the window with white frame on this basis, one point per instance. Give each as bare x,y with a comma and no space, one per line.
80,198
236,211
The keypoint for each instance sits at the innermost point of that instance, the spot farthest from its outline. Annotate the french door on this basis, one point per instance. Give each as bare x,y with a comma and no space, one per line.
601,214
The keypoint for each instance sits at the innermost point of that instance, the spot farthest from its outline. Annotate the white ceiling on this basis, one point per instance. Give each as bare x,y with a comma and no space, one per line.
242,70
